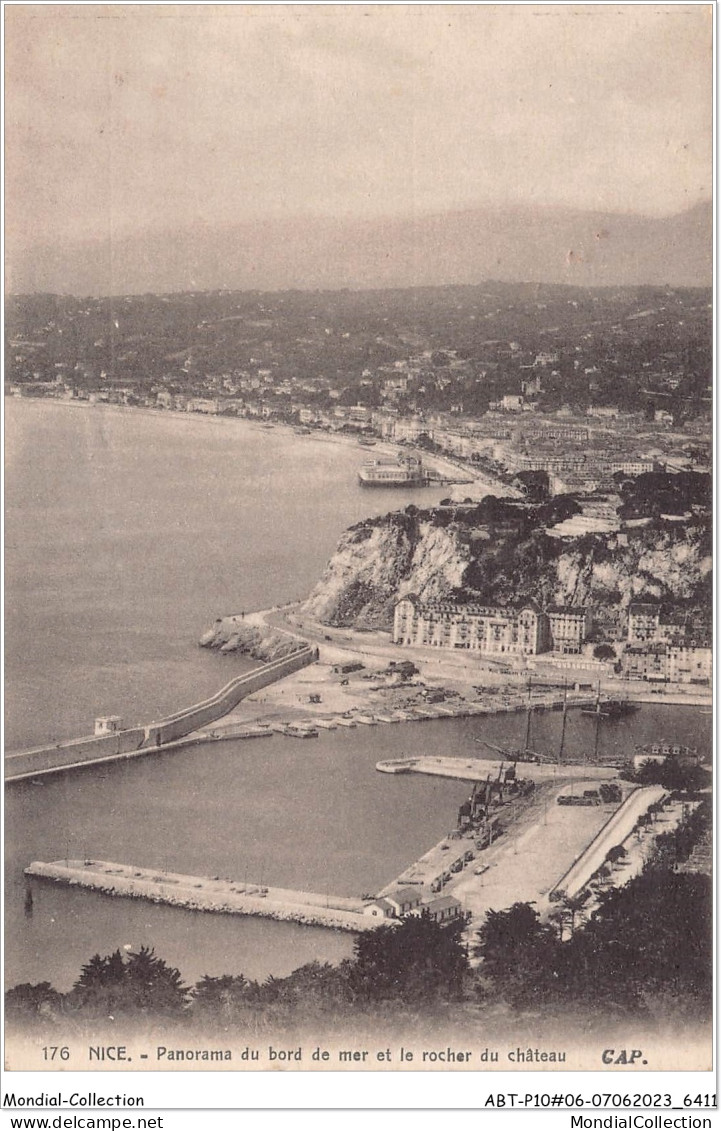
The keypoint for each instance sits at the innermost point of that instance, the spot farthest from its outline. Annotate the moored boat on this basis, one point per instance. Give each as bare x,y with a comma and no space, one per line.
612,709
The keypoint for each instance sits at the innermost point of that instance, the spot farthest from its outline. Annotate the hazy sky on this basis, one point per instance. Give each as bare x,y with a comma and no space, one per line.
124,117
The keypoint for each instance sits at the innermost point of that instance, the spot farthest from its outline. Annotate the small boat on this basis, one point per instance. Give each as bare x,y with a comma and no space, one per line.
612,709
300,732
365,442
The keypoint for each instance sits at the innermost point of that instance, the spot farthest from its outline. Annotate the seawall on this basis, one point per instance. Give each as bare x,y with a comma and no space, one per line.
200,893
478,770
154,736
616,830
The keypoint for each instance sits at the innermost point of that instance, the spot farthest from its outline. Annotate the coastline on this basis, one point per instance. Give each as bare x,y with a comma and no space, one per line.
323,696
447,466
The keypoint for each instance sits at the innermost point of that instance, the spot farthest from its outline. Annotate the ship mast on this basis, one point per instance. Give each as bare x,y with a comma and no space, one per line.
563,721
598,724
527,745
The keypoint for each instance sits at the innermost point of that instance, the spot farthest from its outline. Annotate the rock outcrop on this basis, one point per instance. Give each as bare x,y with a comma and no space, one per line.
234,634
435,555
378,561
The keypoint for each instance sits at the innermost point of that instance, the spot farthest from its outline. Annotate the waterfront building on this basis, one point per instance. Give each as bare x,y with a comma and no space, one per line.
568,628
679,660
442,908
360,414
643,622
551,464
203,404
403,901
379,909
646,661
405,472
410,428
689,661
474,627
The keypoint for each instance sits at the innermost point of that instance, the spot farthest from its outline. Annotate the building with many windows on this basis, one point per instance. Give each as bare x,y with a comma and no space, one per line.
643,622
491,631
646,661
689,661
630,466
568,628
679,660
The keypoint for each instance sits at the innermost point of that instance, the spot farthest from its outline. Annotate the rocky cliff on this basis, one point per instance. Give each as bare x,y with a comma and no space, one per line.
233,634
379,560
504,560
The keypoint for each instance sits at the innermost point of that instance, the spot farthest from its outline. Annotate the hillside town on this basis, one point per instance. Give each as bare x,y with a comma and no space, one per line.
578,383
656,651
592,404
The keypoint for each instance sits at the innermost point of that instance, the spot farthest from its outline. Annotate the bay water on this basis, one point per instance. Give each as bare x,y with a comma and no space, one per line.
127,533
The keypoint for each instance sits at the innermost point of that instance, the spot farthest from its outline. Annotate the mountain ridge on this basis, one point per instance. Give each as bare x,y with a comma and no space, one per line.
512,243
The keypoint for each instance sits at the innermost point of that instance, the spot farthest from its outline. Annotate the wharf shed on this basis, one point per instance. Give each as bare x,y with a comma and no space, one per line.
403,900
442,909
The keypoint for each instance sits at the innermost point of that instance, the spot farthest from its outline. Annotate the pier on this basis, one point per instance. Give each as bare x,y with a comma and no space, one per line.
479,770
170,733
202,893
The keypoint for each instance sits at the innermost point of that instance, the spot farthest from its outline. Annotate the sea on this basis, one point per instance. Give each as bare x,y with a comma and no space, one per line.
127,534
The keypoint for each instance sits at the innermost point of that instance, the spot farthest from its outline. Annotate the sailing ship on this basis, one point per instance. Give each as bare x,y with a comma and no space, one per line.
525,753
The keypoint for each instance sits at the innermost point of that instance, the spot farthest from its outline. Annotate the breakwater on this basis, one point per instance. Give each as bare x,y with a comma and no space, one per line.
200,893
140,740
480,770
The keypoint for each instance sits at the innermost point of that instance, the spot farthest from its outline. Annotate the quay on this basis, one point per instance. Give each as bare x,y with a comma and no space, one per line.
479,770
200,893
531,847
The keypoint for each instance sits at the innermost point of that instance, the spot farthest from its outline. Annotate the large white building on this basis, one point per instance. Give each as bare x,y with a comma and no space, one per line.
491,631
478,628
568,627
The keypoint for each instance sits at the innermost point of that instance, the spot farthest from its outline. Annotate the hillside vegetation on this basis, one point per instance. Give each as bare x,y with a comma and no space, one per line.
500,553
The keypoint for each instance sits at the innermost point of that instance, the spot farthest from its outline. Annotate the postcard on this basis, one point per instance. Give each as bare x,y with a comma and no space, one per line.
358,536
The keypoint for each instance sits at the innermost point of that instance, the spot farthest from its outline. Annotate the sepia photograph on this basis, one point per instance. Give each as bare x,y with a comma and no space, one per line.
358,437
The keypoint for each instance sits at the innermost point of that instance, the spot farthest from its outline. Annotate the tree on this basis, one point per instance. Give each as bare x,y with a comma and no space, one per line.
138,983
519,955
221,999
672,774
649,940
417,961
29,1003
534,484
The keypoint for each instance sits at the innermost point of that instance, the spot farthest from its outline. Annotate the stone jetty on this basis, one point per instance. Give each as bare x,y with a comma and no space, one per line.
479,769
202,893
